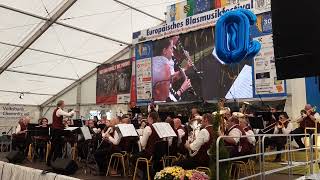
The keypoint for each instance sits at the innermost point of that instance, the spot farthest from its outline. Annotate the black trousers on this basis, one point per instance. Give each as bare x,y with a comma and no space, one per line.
103,154
192,163
300,130
278,142
56,145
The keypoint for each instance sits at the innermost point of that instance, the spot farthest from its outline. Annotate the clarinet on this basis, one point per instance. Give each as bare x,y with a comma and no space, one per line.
185,78
108,131
186,55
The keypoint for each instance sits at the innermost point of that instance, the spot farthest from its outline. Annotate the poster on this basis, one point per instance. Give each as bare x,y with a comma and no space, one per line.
113,83
143,72
264,71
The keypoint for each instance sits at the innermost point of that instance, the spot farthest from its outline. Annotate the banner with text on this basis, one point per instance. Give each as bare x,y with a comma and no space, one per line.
113,82
10,114
195,22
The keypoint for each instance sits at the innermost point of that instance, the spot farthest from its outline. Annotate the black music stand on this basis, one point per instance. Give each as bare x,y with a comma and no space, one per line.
266,115
256,122
77,123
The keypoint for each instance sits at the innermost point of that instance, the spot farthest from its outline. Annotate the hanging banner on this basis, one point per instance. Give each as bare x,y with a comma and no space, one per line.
143,54
10,114
181,10
113,83
193,23
265,83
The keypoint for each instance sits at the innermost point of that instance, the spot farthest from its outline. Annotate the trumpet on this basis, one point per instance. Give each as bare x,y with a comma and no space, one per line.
281,123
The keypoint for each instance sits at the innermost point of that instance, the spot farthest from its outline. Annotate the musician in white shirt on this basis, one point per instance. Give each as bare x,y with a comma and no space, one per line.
110,138
283,126
199,147
248,130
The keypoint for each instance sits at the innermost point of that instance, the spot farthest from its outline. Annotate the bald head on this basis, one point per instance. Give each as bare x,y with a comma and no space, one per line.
307,107
177,123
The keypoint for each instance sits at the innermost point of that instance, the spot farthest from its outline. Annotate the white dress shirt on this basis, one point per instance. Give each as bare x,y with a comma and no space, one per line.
181,134
202,137
145,136
284,130
156,108
252,139
235,133
18,129
60,112
115,140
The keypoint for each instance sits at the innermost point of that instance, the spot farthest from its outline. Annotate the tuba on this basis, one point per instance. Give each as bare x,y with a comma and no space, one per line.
196,127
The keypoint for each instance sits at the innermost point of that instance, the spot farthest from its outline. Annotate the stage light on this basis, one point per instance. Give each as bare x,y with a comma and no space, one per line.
21,95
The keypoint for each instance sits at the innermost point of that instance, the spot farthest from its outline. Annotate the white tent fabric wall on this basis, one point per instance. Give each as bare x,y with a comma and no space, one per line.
86,35
10,114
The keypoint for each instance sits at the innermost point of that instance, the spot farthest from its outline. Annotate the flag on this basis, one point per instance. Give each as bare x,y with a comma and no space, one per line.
202,6
190,7
181,10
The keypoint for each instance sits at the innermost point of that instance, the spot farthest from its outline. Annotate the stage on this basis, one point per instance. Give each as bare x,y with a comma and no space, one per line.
81,174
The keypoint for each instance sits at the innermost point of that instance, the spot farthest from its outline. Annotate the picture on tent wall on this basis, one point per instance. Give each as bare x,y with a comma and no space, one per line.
185,58
113,82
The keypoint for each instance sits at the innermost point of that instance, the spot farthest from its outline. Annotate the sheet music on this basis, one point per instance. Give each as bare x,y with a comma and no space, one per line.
86,133
164,130
127,130
71,128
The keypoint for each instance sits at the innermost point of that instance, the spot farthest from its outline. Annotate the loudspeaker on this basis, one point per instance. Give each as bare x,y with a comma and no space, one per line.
296,38
15,157
64,166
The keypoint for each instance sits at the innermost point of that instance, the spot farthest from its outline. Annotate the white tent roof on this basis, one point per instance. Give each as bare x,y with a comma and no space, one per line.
84,36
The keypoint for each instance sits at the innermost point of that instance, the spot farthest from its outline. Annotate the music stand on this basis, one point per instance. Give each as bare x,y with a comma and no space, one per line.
77,123
256,122
266,115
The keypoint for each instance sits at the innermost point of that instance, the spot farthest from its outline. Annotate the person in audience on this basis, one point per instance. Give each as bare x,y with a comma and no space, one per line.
283,126
57,131
182,136
200,145
309,118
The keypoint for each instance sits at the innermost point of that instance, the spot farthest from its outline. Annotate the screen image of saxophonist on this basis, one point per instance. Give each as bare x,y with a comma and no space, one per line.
184,69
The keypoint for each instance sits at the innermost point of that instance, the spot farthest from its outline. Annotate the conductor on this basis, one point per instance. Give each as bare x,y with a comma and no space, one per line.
57,131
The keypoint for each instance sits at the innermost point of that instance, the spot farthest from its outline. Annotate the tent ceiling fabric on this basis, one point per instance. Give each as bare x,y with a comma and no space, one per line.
63,51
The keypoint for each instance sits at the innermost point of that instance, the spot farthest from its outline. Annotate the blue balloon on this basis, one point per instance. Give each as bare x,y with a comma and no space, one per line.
232,37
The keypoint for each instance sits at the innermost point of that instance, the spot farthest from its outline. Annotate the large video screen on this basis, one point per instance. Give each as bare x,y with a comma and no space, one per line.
185,69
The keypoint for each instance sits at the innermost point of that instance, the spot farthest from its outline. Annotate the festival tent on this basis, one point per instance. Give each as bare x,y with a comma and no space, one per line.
49,45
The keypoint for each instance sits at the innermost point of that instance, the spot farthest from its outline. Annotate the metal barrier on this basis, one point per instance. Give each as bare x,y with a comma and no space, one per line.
261,138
